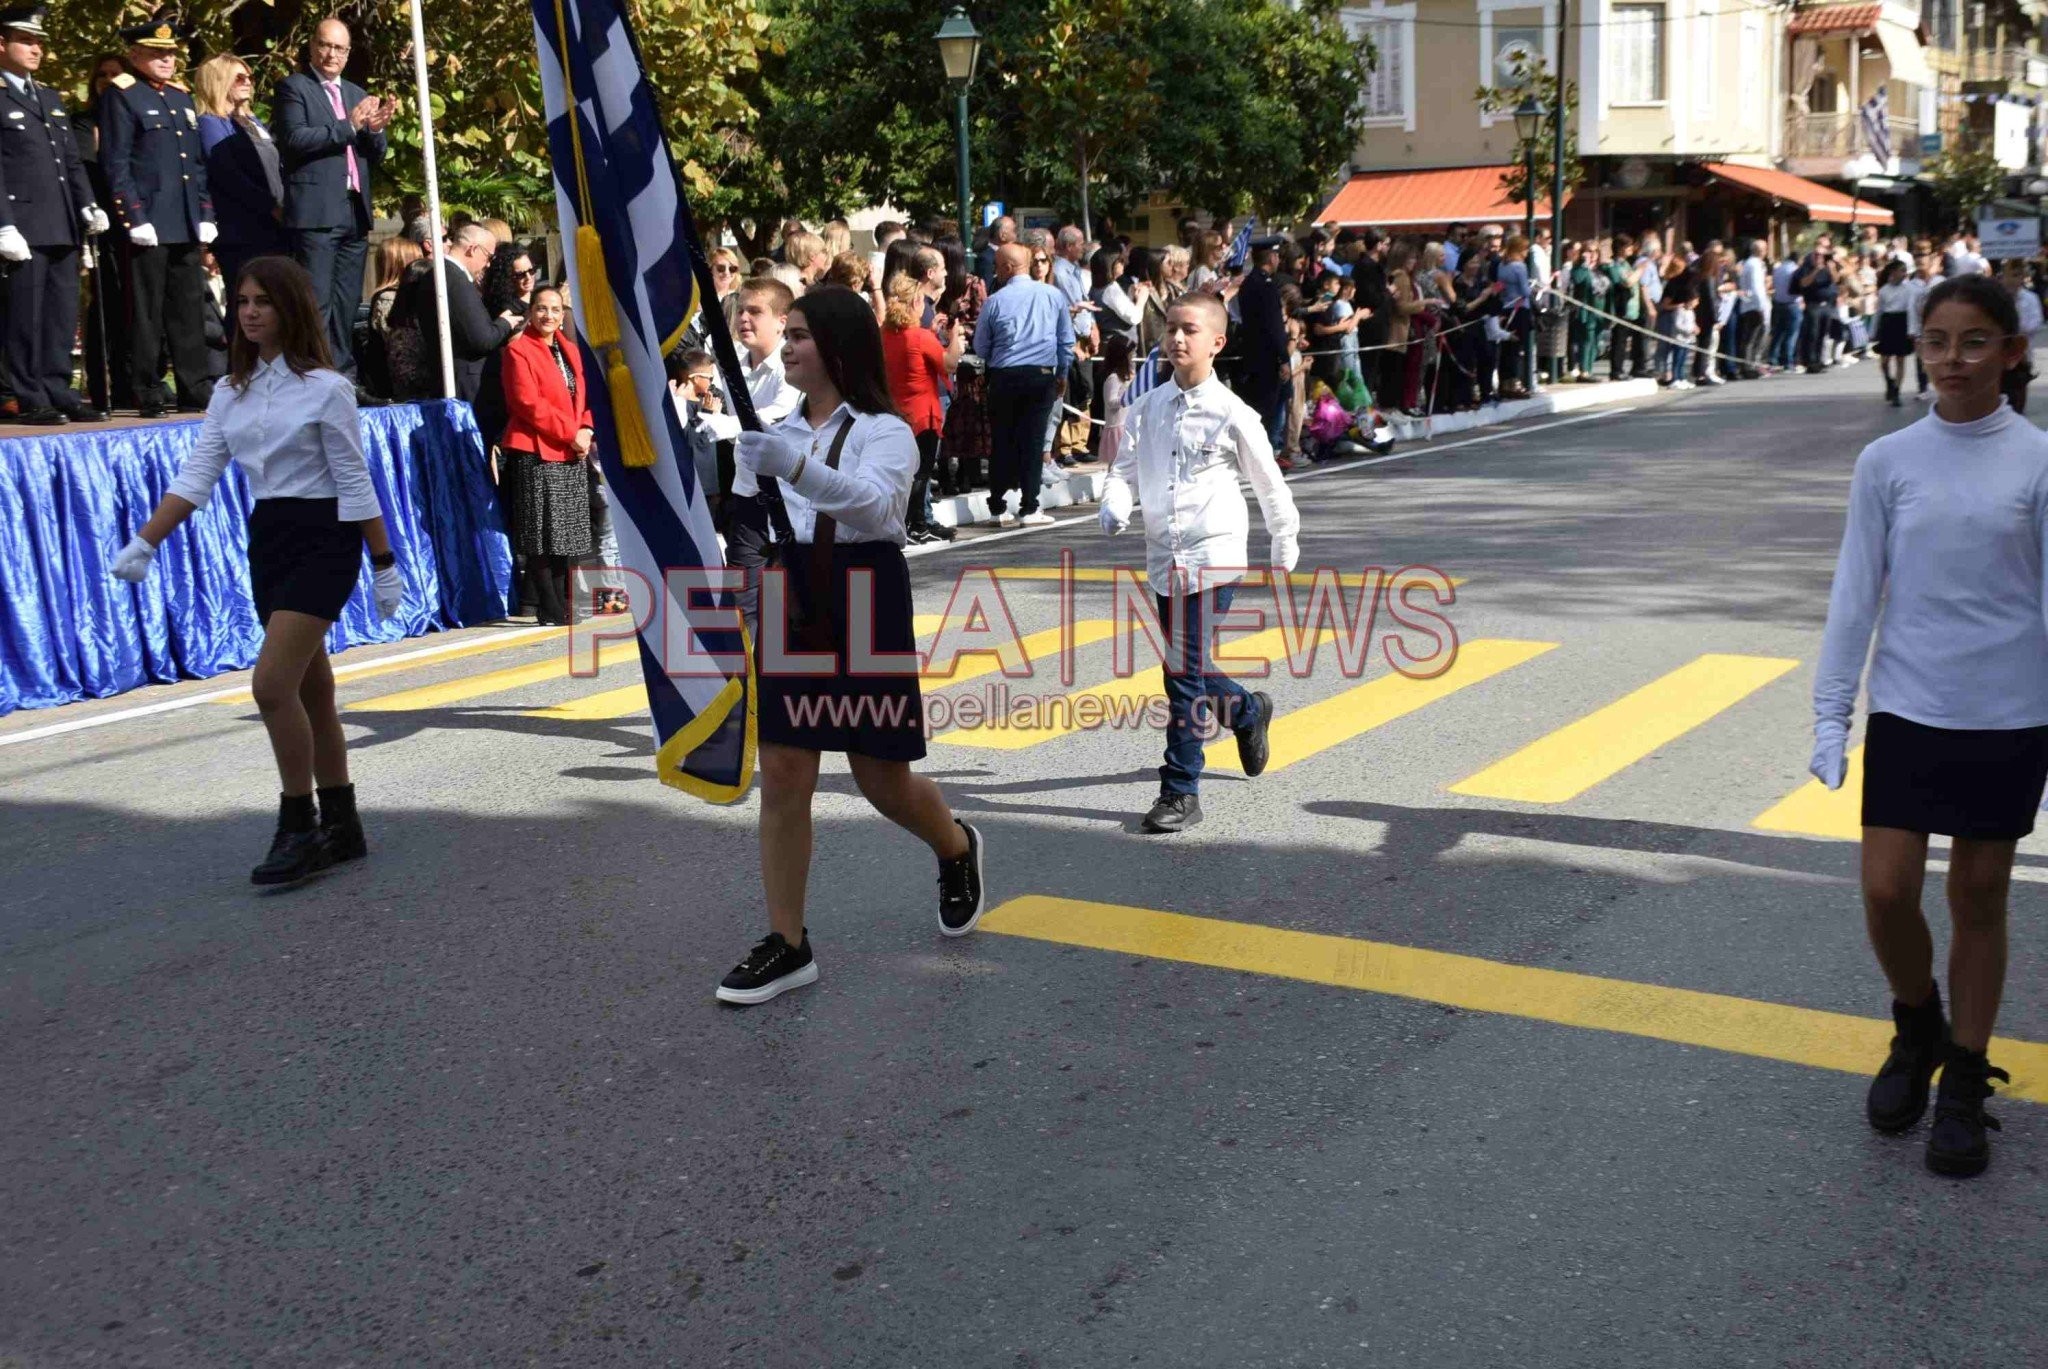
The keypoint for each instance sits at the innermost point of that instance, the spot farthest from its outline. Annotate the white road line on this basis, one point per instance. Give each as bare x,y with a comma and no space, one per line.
190,700
930,549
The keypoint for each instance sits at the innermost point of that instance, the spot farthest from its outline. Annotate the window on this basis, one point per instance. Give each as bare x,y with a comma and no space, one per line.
1701,68
1820,96
1384,95
1635,56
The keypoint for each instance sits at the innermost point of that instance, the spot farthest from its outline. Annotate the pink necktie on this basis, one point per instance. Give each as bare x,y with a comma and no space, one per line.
334,98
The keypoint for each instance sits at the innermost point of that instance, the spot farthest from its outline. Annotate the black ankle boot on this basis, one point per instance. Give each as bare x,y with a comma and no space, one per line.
340,827
1898,1096
298,849
1956,1144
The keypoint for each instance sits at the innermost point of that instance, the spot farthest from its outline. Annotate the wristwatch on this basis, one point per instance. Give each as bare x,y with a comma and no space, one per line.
385,561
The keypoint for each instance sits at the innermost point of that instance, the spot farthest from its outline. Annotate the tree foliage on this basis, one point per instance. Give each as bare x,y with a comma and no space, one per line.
1966,176
1501,101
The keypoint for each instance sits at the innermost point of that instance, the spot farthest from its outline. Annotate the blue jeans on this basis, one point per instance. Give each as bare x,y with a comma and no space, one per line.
1785,321
1193,684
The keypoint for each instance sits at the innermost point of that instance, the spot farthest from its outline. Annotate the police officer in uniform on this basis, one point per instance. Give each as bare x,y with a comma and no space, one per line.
46,213
149,147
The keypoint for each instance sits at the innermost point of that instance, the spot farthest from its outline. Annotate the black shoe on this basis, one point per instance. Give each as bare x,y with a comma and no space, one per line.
1898,1096
85,413
150,408
1955,1143
960,898
293,856
939,532
1173,813
1252,750
344,838
917,537
772,967
43,416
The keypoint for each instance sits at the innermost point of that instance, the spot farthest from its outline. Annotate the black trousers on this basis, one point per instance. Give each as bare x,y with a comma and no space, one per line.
1020,404
168,300
1814,332
42,318
921,485
108,378
334,258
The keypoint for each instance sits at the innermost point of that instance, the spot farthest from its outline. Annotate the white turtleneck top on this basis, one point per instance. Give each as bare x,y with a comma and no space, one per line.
1943,556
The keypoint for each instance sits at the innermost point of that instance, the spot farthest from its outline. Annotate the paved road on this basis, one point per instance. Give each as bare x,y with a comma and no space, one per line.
1515,1017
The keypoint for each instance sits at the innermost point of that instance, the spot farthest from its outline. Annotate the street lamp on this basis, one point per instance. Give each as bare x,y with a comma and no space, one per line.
960,51
1528,122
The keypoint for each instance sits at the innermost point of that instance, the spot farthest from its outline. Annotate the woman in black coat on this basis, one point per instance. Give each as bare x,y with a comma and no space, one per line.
242,167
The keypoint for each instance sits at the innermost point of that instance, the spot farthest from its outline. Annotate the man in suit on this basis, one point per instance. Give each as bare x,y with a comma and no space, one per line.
1262,336
149,147
46,214
476,334
331,134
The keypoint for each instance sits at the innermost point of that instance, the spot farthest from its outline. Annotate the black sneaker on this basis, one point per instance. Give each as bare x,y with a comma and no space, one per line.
1173,813
1252,750
1898,1096
1956,1145
293,856
772,967
960,887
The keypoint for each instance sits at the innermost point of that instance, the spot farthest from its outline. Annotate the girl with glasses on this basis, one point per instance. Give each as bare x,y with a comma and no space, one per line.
1943,559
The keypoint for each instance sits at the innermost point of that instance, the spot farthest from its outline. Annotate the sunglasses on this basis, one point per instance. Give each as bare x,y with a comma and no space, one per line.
528,274
723,268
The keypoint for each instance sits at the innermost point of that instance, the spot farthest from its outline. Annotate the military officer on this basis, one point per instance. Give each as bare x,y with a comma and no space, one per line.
46,213
149,148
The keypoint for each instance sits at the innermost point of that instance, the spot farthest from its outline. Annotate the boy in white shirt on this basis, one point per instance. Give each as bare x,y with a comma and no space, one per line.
1184,445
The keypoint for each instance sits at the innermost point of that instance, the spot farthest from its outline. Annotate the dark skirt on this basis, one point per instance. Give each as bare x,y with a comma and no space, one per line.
302,558
1892,338
870,714
550,513
1981,785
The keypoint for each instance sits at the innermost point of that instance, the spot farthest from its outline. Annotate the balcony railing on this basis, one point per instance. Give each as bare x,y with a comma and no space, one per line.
2010,65
1840,135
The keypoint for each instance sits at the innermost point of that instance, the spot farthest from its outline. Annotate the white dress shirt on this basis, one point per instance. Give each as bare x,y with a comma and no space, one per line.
1916,301
870,490
1755,277
1185,450
294,436
774,400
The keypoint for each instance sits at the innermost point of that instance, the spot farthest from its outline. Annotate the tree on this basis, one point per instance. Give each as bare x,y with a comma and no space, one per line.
1084,82
1502,100
1966,177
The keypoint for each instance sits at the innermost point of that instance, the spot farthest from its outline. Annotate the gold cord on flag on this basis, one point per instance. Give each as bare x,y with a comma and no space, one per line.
594,302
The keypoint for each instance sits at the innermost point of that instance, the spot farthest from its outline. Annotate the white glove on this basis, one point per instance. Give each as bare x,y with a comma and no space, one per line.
142,235
1111,523
1830,738
133,561
1285,553
207,233
1115,513
387,587
96,221
13,246
767,454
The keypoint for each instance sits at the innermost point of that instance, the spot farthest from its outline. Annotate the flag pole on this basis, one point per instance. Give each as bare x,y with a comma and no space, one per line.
433,177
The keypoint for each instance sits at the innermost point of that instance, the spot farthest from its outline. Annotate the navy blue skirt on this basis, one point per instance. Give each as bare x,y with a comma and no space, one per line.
302,558
867,713
1980,785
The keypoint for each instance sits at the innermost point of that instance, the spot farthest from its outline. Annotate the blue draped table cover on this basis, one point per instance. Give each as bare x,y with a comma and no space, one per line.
70,501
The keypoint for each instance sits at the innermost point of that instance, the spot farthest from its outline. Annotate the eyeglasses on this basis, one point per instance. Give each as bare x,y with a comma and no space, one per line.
330,47
1968,349
528,274
1041,261
723,268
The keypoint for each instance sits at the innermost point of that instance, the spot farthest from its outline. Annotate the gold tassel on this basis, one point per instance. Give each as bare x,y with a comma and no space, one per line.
636,446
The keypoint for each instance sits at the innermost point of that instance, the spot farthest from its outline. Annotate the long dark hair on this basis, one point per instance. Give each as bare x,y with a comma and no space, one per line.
302,339
1117,355
849,345
1102,267
499,287
1987,294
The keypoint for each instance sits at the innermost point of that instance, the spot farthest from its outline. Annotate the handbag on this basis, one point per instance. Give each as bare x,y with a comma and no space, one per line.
811,624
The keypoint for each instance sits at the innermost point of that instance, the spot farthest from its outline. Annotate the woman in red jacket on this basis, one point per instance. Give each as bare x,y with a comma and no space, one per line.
546,443
918,367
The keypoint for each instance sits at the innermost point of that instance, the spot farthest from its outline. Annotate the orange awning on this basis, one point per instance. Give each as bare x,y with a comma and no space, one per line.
1835,19
1819,201
1414,199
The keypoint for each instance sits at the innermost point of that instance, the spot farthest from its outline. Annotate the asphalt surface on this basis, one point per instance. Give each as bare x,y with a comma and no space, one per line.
470,1102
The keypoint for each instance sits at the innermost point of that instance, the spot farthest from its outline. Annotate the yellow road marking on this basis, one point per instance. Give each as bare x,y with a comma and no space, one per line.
1123,698
1574,758
1305,732
1096,575
494,682
1743,1026
370,670
1814,810
1087,632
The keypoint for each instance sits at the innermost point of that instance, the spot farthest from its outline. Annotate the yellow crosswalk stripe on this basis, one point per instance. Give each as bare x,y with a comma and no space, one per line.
1098,575
1036,647
441,695
348,674
1814,810
1305,732
1103,704
1743,1026
1574,758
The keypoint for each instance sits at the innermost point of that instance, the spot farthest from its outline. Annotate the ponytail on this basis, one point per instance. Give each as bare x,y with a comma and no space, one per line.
1987,294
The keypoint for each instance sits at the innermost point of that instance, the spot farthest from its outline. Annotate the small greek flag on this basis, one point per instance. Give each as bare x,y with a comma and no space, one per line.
1241,245
1145,376
636,268
1877,128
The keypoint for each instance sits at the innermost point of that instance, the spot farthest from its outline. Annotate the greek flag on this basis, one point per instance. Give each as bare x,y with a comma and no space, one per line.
1144,376
1241,245
1877,129
636,269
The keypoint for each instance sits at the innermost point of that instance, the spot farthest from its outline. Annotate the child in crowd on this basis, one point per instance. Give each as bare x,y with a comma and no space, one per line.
1184,444
1113,382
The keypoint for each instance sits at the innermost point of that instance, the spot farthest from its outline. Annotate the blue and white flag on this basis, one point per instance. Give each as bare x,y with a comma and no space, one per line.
1144,376
1241,245
1877,127
636,270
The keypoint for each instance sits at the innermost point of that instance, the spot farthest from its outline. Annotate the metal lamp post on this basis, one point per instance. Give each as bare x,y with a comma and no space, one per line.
1529,122
960,51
